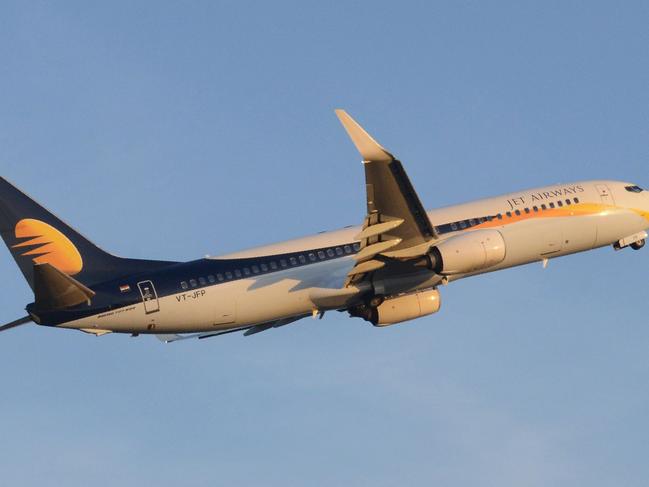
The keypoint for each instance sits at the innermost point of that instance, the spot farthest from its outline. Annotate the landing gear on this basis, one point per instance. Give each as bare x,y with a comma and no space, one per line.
638,245
635,241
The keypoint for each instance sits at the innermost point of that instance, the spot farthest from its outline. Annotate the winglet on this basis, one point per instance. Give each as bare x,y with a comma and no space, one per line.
369,148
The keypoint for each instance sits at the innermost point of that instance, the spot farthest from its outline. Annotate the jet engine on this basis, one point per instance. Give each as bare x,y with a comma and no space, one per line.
470,252
400,308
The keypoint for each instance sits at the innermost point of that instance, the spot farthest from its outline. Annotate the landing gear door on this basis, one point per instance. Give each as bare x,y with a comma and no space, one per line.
605,194
149,297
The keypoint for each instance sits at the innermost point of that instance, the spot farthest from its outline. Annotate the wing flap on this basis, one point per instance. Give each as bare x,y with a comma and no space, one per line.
367,266
369,251
378,229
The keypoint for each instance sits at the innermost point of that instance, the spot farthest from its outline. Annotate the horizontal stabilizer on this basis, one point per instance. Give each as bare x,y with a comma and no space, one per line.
54,289
14,324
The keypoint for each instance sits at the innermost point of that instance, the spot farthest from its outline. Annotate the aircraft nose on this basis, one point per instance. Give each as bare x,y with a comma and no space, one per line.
645,202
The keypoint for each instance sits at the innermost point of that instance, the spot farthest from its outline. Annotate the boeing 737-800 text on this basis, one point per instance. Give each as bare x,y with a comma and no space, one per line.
386,271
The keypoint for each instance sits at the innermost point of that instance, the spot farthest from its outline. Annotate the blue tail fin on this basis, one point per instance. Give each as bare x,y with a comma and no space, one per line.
36,236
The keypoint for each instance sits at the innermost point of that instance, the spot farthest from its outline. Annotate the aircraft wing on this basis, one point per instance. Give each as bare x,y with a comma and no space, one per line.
396,225
248,330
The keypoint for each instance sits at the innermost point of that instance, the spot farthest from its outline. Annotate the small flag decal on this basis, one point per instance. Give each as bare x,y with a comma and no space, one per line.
125,288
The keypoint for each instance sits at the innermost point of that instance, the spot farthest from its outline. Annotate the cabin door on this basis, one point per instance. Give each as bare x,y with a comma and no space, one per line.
149,297
604,194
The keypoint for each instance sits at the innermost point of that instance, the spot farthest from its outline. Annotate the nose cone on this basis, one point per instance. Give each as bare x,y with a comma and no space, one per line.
644,204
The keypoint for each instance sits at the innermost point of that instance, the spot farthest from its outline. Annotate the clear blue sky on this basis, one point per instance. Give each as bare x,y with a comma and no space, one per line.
169,130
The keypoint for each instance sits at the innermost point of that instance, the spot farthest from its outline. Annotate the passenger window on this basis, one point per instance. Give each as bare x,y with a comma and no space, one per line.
264,267
453,226
321,255
330,252
211,279
535,208
551,205
202,281
527,210
228,275
509,214
283,262
237,273
293,260
576,200
219,277
518,212
312,257
184,285
273,265
462,224
193,283
499,216
471,222
302,259
339,251
568,202
348,249
559,203
255,269
246,271
490,218
543,207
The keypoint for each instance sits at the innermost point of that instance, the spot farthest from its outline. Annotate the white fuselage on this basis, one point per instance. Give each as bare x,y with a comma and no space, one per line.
591,214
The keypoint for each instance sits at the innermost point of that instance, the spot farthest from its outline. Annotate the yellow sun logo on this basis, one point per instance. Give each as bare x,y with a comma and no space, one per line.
46,245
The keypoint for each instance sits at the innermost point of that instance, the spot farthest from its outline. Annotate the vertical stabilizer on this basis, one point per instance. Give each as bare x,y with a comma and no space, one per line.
35,236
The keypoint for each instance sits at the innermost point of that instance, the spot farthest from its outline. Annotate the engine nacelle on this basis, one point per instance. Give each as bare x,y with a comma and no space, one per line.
400,308
470,252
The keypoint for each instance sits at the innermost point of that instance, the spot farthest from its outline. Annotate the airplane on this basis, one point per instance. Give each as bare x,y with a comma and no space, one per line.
386,271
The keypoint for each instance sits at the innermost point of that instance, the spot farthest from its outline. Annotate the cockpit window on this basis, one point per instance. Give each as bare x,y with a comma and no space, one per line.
634,189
